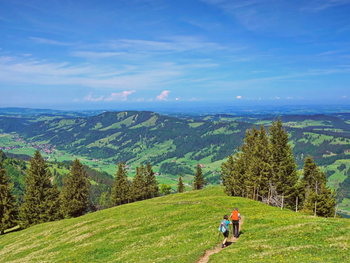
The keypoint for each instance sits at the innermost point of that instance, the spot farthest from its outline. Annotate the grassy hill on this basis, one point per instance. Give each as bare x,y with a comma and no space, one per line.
179,228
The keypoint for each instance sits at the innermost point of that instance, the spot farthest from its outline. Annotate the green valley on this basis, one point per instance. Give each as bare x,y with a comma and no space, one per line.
171,144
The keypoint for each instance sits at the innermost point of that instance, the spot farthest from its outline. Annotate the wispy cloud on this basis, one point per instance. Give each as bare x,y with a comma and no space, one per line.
122,96
195,99
280,18
320,5
164,95
50,42
96,55
169,44
20,70
90,98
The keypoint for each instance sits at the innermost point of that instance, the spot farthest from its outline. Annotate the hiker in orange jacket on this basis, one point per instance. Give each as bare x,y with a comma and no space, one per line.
235,217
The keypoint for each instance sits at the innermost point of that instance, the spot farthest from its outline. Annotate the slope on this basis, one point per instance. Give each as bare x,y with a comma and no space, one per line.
179,228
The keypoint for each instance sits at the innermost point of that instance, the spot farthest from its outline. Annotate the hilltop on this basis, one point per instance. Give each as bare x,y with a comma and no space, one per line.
180,228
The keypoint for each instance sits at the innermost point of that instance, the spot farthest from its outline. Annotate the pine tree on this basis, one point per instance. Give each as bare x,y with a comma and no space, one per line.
151,183
199,180
8,205
317,195
259,170
3,156
326,202
285,177
41,199
75,192
104,200
180,185
137,188
120,191
313,177
165,189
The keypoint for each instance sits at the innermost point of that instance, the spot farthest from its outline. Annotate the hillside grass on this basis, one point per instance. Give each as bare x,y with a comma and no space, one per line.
179,228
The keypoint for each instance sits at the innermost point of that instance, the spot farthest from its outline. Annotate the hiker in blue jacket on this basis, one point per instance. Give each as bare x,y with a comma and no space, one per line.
224,226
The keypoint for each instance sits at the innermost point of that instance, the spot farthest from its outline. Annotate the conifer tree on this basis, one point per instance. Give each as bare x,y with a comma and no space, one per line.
137,188
75,191
313,177
317,195
41,199
120,191
199,180
151,183
3,156
165,189
104,201
232,174
326,202
284,172
180,185
8,205
259,170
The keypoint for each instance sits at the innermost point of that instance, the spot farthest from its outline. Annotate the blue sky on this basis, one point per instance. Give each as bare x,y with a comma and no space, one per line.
96,54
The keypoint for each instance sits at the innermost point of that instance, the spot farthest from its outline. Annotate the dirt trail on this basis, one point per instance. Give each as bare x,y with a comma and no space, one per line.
217,249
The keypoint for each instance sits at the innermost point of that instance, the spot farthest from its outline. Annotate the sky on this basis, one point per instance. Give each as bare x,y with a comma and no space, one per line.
117,53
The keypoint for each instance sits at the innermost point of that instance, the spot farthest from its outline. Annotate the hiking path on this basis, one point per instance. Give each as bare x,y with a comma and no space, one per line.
217,249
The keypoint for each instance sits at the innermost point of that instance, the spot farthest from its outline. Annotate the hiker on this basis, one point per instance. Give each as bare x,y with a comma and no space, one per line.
235,217
224,229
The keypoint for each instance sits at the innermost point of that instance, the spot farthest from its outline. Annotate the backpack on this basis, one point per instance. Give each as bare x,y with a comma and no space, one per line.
222,227
234,215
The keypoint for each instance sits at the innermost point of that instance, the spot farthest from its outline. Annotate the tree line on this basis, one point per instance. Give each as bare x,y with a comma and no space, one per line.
43,201
264,169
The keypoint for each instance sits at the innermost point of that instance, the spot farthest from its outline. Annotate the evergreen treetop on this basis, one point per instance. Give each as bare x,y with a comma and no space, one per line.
41,199
8,205
120,191
75,191
137,188
151,182
180,185
199,180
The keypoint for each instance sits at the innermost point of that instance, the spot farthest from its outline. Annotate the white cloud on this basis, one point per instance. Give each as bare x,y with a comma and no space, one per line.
289,98
343,97
50,42
122,96
239,97
174,43
90,98
164,95
96,55
196,99
140,99
320,5
30,70
177,98
75,100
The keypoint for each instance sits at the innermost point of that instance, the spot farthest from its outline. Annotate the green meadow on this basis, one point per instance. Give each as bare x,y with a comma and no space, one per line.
180,228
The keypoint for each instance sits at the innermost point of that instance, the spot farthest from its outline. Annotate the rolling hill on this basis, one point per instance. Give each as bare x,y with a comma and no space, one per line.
180,228
171,144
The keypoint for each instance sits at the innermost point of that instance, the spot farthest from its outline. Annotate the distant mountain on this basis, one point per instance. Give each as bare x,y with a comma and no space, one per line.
128,135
